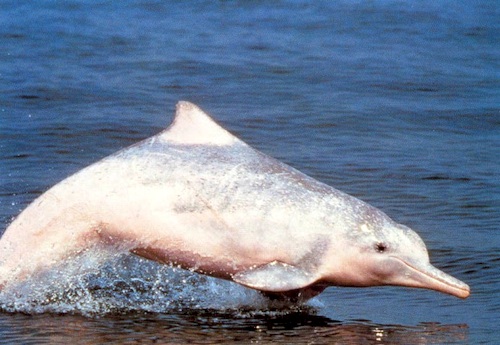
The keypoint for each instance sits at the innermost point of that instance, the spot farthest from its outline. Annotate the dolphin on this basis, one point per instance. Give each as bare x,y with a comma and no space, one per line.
197,197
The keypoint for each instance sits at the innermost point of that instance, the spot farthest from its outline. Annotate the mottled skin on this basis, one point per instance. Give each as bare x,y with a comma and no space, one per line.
196,196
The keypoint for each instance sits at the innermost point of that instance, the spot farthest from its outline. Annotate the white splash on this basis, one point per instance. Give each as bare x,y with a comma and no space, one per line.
102,281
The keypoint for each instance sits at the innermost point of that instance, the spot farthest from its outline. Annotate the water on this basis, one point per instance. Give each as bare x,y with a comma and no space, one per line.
394,102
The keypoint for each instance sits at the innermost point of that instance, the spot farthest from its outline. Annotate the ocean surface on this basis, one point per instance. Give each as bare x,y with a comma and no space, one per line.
394,102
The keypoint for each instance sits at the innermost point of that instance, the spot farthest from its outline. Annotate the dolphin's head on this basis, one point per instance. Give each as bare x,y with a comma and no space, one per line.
379,251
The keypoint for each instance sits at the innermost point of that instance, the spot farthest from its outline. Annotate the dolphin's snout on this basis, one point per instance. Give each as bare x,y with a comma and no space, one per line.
427,276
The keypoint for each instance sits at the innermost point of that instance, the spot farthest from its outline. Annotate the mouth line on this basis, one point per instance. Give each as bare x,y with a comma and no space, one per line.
462,290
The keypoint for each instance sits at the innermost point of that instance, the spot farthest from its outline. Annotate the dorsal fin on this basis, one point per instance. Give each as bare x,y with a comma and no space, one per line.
192,126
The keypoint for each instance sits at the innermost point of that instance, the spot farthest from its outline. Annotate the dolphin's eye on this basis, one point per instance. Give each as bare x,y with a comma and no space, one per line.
380,247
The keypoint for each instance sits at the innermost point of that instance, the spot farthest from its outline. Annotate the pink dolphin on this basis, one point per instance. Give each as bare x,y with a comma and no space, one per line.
198,197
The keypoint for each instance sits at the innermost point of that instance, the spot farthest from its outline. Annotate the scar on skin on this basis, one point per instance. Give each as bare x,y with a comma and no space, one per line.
364,227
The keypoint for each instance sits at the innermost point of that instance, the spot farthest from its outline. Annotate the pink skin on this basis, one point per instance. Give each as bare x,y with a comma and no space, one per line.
196,196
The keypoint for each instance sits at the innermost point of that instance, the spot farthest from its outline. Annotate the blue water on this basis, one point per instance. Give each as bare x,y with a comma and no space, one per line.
395,102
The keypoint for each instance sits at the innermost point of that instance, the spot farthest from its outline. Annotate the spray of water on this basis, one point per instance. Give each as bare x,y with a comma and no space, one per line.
101,281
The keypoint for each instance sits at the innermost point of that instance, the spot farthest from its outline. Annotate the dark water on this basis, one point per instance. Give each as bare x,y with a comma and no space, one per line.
395,102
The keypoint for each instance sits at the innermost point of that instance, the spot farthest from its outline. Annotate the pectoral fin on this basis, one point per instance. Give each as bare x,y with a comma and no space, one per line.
275,276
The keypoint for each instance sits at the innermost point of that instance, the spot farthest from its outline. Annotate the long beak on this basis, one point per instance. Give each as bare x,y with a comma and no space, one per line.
427,276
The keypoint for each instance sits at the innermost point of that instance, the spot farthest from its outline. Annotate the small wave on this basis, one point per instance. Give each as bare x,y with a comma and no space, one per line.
104,281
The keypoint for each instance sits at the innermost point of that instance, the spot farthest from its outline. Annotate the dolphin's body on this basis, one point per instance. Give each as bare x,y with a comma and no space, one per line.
198,197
